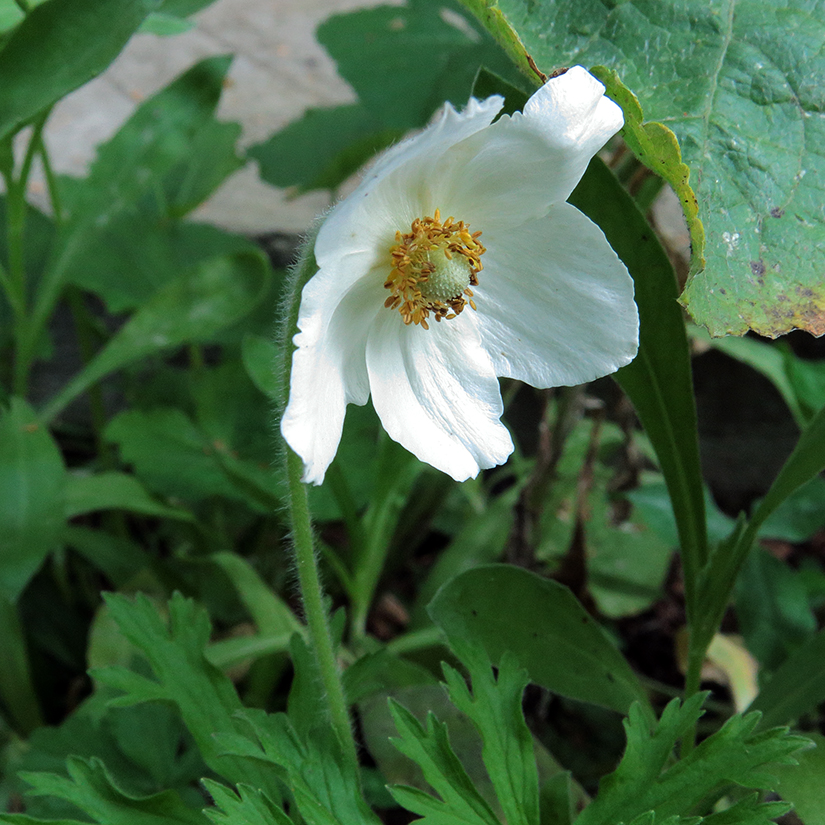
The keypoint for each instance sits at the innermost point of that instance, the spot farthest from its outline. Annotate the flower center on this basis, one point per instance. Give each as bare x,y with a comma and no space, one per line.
433,267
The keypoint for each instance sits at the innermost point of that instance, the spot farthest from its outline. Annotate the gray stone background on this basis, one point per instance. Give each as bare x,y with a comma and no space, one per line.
278,72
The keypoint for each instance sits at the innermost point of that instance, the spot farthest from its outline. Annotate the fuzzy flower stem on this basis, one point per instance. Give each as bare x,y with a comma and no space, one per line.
309,580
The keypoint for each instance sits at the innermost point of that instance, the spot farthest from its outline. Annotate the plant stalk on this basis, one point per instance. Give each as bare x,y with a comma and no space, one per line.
306,561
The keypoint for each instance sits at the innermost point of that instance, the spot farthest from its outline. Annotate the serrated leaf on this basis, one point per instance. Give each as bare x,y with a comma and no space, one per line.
657,147
325,787
737,84
748,811
430,750
804,784
643,781
246,806
495,709
204,697
90,788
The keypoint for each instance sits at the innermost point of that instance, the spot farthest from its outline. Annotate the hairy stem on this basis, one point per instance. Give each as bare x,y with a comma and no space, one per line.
306,561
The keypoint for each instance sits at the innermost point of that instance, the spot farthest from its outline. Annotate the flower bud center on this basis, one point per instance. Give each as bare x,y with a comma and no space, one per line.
449,278
433,267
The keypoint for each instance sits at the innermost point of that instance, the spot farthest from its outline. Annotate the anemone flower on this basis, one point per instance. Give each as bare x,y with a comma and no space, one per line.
455,261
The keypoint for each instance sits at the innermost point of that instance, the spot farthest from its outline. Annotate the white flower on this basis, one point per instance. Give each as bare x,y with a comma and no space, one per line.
413,306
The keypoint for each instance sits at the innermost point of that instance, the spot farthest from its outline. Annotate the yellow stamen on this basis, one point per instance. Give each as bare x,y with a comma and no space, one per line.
433,267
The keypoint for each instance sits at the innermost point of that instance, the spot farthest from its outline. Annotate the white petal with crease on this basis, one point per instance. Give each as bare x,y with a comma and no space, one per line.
437,395
556,304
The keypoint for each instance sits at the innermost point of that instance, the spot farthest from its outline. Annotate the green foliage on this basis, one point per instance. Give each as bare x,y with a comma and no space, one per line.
495,709
796,686
32,494
772,608
546,629
193,308
658,381
169,485
748,127
89,787
645,782
33,61
203,695
325,790
430,749
426,56
803,786
247,806
125,216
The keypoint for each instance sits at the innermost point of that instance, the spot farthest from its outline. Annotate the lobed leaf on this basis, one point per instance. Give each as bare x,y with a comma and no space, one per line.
90,788
430,749
495,709
244,806
204,697
326,790
644,781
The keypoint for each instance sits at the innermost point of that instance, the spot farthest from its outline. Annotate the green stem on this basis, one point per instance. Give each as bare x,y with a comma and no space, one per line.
16,282
309,580
314,612
51,180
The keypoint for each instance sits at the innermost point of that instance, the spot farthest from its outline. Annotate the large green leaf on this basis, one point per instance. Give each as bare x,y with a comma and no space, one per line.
204,697
89,493
739,84
32,488
58,47
170,454
428,51
504,608
323,148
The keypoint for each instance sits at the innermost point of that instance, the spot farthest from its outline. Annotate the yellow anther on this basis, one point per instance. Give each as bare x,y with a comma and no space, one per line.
433,267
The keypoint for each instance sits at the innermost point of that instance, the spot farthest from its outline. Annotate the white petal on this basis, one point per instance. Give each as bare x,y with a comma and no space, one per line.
361,229
328,372
437,395
555,303
521,165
